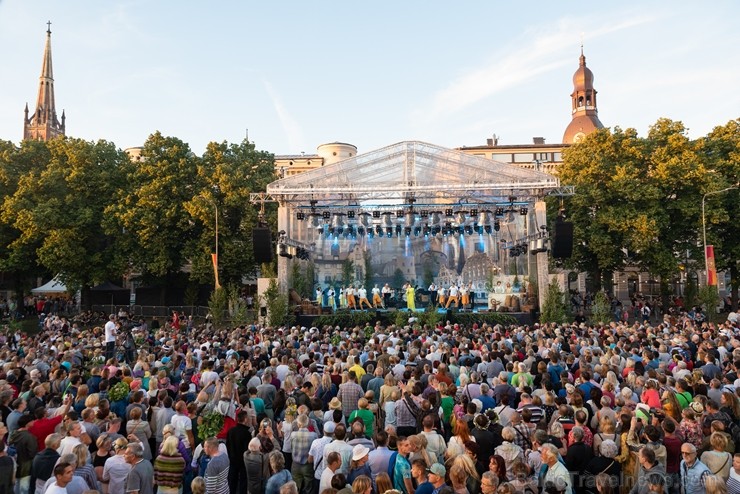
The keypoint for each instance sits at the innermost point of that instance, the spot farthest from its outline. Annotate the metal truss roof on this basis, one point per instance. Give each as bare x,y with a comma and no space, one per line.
414,169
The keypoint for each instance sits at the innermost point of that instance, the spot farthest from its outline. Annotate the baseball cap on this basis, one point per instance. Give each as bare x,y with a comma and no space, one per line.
437,469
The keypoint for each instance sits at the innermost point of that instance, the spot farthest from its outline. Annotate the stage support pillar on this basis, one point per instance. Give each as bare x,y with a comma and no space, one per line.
283,262
543,275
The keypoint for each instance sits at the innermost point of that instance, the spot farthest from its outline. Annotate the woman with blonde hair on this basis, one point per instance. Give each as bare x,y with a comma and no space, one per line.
718,460
82,394
472,477
100,456
362,485
141,429
607,430
714,484
92,401
383,483
83,468
418,445
169,467
386,390
198,485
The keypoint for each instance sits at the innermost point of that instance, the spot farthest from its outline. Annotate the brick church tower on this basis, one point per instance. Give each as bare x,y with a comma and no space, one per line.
43,124
585,114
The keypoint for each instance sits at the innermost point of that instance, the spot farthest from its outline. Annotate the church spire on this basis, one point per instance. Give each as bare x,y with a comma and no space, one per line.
584,112
43,124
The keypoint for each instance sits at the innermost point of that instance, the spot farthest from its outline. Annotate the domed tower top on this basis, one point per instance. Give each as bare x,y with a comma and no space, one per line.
584,111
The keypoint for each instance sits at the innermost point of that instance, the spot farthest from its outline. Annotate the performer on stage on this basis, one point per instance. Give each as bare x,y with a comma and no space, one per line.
362,295
351,302
410,294
332,301
319,296
342,298
386,291
433,295
377,301
441,292
454,291
465,295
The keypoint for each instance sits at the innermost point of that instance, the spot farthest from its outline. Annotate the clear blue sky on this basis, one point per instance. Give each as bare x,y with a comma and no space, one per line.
298,74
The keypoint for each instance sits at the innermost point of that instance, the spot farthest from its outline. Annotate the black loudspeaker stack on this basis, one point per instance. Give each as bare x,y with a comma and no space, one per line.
262,245
562,241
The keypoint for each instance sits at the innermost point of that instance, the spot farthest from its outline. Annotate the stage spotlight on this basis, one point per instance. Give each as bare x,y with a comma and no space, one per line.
365,219
417,231
376,214
399,213
379,230
326,215
300,216
448,212
424,213
523,210
497,225
387,220
487,228
361,231
427,231
351,214
284,251
473,213
370,233
499,211
436,230
468,230
407,231
398,230
389,231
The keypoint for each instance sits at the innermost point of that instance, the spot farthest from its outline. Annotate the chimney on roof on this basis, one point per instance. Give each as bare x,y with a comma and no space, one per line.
492,141
538,140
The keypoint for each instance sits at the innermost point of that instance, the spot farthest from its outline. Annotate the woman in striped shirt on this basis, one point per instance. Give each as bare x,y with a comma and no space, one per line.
169,467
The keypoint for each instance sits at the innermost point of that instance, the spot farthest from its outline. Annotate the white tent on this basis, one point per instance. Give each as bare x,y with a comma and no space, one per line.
53,286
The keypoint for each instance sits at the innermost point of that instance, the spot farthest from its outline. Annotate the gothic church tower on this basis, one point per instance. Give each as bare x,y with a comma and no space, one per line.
43,124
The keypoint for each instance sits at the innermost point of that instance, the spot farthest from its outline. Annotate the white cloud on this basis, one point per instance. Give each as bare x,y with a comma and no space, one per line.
537,51
293,130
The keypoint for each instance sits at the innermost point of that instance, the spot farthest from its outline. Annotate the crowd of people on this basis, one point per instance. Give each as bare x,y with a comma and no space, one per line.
575,409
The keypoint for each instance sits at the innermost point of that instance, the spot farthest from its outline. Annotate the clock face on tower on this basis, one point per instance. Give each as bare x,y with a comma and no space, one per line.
578,137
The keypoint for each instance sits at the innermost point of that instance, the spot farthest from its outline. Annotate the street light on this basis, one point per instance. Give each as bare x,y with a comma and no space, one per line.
704,227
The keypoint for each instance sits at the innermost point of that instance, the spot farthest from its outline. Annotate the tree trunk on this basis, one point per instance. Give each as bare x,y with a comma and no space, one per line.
18,288
665,293
596,280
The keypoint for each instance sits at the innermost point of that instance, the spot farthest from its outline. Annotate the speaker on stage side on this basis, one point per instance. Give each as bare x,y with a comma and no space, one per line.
562,240
262,244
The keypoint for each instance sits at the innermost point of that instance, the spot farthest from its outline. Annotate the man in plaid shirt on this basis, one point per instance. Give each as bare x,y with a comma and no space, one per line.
300,445
522,431
349,394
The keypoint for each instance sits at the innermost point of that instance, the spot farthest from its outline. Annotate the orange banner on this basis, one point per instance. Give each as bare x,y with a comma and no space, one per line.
711,267
214,257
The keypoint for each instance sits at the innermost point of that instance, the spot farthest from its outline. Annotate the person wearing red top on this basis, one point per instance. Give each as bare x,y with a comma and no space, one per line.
651,396
43,426
175,320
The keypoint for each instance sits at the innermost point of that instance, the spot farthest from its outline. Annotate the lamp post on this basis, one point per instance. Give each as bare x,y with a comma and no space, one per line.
704,226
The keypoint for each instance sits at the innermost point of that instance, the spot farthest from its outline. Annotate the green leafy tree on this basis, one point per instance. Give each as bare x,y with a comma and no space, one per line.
226,175
368,281
218,305
299,282
601,308
348,272
721,149
606,169
277,305
678,175
555,308
60,210
18,254
150,211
